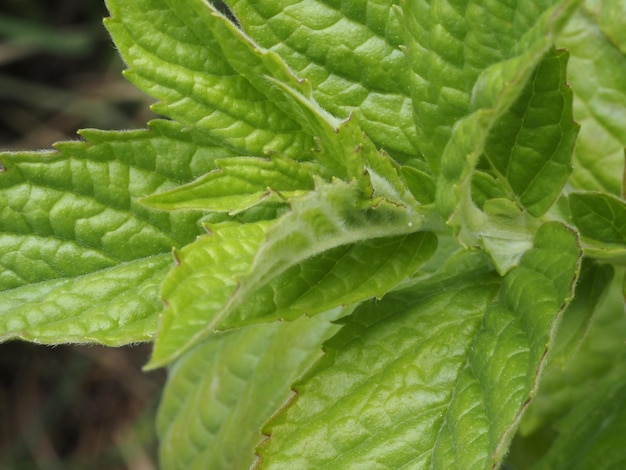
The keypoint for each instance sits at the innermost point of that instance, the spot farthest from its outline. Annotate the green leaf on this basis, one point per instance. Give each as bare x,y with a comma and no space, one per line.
432,378
599,216
593,434
486,187
230,278
80,258
343,148
598,159
595,39
466,56
465,81
599,84
506,232
373,400
588,347
198,288
324,145
530,145
420,183
593,287
601,220
341,276
350,53
174,56
113,306
238,184
471,136
334,216
505,358
244,375
612,21
269,73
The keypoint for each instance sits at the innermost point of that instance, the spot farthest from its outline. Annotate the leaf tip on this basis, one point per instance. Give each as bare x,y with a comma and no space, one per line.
152,365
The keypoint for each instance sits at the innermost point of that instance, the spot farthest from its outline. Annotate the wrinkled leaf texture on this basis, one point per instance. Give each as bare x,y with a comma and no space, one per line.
328,160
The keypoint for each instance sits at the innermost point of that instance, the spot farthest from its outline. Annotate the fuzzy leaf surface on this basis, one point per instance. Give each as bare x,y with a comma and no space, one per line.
291,252
81,258
333,216
341,276
245,376
432,377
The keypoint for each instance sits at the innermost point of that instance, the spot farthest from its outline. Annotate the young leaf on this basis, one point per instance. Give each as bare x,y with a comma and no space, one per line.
81,258
238,184
268,73
343,148
600,87
335,214
431,378
316,235
220,393
598,158
471,137
197,290
420,183
341,276
467,57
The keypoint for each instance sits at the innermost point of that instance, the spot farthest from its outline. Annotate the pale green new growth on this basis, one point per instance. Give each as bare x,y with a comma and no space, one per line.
371,234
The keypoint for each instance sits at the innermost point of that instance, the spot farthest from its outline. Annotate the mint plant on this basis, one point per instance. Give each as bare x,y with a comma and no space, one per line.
397,227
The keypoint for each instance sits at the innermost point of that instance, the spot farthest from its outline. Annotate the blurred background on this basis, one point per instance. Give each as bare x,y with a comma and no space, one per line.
69,407
59,72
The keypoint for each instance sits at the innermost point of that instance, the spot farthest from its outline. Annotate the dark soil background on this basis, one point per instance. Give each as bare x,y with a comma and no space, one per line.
69,407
